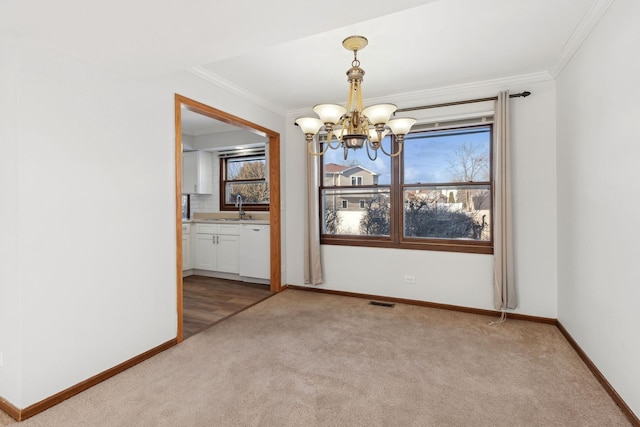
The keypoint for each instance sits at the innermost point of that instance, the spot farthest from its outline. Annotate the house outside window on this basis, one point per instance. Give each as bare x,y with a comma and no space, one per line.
436,195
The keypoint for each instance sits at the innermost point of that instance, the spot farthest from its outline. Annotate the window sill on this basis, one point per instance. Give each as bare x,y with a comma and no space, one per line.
448,246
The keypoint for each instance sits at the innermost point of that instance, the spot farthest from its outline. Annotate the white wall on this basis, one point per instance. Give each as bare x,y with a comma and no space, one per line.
10,337
598,128
439,275
90,268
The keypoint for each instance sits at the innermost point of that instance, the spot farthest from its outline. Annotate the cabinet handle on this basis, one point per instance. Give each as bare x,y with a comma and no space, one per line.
213,239
195,187
217,239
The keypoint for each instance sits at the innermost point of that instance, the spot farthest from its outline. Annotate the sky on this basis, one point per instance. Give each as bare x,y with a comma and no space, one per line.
426,155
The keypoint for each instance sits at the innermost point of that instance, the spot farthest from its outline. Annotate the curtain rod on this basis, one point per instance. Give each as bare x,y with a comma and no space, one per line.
468,101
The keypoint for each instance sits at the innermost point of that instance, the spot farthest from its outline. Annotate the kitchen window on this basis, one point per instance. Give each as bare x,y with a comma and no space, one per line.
244,177
186,206
437,195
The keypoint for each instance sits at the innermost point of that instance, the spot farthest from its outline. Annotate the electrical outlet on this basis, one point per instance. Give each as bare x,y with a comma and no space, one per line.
409,279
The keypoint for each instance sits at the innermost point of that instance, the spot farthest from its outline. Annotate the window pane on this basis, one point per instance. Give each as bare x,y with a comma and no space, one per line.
456,155
343,216
358,169
246,168
186,206
252,192
461,212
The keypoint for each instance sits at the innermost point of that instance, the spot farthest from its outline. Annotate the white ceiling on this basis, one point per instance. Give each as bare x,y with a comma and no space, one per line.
196,124
288,54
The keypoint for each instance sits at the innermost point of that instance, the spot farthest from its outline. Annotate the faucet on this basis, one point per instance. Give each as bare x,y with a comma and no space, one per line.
241,213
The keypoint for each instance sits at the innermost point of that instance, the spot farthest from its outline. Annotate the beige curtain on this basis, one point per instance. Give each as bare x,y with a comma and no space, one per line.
312,261
504,296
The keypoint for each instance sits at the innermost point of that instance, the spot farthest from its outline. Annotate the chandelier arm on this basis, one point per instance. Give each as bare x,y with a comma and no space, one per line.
396,154
319,153
369,153
330,143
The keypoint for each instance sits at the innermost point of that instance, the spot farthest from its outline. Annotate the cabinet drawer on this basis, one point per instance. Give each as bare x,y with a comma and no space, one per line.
207,228
233,229
185,228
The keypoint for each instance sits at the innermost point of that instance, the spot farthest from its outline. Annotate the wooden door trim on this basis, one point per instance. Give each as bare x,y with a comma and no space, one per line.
275,275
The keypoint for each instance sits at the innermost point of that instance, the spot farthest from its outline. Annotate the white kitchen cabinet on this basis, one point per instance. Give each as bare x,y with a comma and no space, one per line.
255,260
206,251
228,252
186,247
217,247
197,172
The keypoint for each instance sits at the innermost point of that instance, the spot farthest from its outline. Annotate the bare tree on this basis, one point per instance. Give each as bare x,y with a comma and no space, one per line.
469,163
376,220
432,218
331,218
251,192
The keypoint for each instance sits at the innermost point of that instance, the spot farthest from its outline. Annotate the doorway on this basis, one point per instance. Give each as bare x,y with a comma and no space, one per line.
274,192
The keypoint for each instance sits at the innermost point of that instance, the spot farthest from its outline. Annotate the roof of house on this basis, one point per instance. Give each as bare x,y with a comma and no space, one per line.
336,168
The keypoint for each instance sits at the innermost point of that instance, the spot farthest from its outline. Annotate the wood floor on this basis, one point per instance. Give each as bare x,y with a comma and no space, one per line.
207,300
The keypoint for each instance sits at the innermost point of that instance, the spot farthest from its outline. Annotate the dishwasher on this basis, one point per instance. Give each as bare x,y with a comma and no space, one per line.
254,251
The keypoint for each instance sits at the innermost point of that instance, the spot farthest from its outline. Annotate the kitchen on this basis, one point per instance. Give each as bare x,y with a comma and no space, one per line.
225,219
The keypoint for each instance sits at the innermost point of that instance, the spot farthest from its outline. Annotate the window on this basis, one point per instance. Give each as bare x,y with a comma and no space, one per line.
186,206
244,177
436,195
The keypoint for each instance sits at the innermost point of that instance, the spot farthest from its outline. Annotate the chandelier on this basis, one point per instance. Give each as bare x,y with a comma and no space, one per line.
354,126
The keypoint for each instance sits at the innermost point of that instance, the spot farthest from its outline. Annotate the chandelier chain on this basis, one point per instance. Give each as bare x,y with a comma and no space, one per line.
355,62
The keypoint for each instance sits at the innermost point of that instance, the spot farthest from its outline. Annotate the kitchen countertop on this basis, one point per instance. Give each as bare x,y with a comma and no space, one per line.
224,221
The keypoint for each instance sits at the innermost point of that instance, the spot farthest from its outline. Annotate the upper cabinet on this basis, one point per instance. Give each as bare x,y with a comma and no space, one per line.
197,173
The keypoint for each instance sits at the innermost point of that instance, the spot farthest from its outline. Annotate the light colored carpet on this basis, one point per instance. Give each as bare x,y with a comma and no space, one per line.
308,359
5,419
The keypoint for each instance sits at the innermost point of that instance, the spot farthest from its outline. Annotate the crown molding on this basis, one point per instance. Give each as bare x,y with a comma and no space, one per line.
492,86
216,80
580,33
484,86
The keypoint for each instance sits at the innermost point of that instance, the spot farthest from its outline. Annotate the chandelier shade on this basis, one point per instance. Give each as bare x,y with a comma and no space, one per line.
353,126
400,126
309,125
329,113
375,137
378,114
